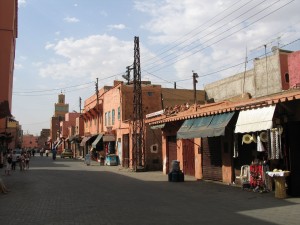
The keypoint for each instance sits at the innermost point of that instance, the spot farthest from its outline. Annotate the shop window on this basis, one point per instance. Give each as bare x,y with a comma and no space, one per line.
119,113
113,117
108,118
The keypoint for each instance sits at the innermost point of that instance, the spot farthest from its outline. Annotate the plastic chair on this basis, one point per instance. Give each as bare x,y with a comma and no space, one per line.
244,175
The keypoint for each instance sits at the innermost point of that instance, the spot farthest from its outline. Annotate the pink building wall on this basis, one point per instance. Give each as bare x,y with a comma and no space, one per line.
294,69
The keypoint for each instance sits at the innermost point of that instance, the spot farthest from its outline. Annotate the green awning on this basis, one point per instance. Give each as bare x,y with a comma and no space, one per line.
183,130
210,126
158,126
97,142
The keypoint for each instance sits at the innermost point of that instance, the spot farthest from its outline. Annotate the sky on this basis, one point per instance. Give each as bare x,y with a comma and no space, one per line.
63,46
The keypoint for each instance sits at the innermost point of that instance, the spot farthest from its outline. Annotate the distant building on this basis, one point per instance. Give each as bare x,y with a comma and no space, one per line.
60,109
108,121
29,141
67,130
43,139
270,75
14,129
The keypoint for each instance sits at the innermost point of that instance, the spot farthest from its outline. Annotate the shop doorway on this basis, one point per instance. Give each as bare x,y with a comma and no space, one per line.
212,158
125,162
171,151
188,157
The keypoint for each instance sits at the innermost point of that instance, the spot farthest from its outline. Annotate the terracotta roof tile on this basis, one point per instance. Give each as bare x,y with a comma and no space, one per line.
226,106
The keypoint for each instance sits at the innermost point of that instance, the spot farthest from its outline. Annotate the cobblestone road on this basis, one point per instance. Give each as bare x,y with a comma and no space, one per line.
67,192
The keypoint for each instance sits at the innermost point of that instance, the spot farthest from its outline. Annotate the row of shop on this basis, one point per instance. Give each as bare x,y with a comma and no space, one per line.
215,142
97,146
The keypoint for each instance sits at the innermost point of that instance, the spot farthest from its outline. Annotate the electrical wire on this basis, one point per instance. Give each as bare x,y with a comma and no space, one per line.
197,51
207,28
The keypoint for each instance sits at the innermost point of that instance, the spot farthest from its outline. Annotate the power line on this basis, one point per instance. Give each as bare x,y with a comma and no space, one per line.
197,51
195,29
207,28
20,94
54,89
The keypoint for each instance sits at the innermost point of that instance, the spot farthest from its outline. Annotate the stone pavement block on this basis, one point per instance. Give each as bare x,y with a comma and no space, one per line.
66,191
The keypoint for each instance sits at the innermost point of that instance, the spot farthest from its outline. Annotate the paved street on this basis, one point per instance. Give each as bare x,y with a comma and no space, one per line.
67,192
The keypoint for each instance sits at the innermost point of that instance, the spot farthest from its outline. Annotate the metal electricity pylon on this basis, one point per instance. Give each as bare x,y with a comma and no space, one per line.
138,122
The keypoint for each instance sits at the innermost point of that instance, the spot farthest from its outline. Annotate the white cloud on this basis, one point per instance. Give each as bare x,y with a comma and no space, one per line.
207,35
71,20
48,46
93,56
117,27
194,41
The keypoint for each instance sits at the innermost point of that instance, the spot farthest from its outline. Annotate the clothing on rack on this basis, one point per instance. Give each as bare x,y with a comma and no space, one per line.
276,152
260,146
235,146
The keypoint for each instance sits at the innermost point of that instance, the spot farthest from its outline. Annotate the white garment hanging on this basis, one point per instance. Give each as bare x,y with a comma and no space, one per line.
260,146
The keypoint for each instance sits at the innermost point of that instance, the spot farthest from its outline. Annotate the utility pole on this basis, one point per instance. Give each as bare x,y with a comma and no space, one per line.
267,69
97,104
246,61
138,122
80,105
195,81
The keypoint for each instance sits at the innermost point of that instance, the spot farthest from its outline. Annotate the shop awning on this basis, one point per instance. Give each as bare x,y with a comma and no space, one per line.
210,126
109,137
84,140
255,120
97,141
58,143
158,126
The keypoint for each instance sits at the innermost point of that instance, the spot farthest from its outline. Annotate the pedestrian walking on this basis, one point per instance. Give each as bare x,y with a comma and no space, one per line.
27,159
42,152
54,153
8,164
47,152
14,160
22,162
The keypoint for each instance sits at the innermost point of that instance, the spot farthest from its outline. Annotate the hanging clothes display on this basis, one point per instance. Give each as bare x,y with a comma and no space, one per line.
235,146
260,146
276,152
269,144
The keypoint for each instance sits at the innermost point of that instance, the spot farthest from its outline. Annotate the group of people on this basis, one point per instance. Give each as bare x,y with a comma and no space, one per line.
12,159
